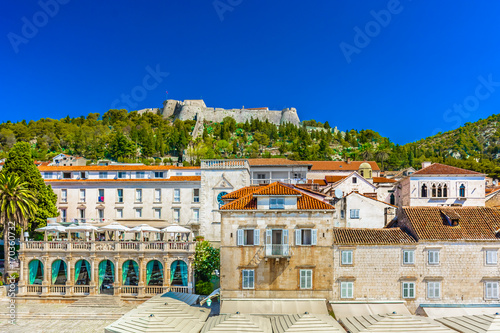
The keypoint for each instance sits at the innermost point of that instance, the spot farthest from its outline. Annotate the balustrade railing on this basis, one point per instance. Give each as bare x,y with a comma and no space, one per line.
81,289
58,289
81,245
130,290
114,246
32,289
129,246
155,246
154,290
179,289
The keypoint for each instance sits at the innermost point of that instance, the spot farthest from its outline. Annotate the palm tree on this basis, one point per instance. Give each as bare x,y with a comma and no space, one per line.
382,155
17,205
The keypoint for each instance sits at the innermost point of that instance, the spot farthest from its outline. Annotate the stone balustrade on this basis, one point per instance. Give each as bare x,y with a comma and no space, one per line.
115,246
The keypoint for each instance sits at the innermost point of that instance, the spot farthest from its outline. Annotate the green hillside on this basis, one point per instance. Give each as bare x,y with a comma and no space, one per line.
130,136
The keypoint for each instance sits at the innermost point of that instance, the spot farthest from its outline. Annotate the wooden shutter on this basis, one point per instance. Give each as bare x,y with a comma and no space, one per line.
314,236
285,242
256,237
269,241
298,238
239,238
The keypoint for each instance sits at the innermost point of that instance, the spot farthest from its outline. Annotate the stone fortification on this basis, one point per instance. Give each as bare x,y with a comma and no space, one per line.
196,109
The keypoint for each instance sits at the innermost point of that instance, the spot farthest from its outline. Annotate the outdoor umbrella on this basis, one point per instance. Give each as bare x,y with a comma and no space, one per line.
56,227
175,228
115,226
144,228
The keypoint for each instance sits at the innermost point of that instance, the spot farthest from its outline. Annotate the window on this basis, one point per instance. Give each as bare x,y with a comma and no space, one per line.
196,215
82,195
433,289
119,195
177,195
119,213
158,174
64,195
121,174
196,195
392,199
82,214
408,289
63,215
157,213
445,191
138,195
440,191
346,289
424,191
354,180
178,173
491,257
157,195
276,203
248,237
433,257
140,174
82,175
100,195
138,213
346,257
354,213
103,175
177,215
67,175
408,257
306,278
248,279
491,290
462,191
342,214
434,190
306,236
100,213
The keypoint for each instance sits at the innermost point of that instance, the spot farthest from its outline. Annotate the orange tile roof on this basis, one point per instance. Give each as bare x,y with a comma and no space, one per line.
369,197
365,236
171,179
341,165
383,180
275,161
442,169
317,181
430,223
490,190
304,201
113,168
241,192
334,179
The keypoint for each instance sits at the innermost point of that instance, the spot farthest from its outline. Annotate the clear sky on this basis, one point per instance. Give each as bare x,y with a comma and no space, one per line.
406,69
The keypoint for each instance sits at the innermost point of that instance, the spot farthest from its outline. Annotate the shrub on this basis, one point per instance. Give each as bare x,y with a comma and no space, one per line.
204,288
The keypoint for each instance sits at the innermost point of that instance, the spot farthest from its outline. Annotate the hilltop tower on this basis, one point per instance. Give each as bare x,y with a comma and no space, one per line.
289,115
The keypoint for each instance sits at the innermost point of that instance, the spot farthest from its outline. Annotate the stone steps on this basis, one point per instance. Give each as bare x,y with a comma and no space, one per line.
71,316
98,301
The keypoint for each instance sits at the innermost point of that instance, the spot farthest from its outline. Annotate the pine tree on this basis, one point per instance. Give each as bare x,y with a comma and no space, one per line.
20,163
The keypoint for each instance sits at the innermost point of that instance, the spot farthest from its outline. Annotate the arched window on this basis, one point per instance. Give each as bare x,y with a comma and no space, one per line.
154,273
59,272
424,191
82,272
445,191
130,273
440,191
179,273
462,191
393,199
35,272
106,277
433,190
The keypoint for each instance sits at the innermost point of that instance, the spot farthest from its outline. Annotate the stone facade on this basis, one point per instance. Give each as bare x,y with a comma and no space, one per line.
358,211
196,109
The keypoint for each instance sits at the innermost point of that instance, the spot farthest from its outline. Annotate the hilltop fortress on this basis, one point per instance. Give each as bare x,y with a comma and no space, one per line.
196,109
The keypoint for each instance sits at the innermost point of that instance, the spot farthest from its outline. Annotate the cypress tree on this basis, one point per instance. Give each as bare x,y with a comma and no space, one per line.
20,163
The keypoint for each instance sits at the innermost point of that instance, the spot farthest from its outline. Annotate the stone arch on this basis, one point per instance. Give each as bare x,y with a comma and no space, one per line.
130,272
59,271
155,272
35,272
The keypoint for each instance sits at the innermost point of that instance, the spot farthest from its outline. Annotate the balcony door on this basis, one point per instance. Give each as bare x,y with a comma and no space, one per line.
276,242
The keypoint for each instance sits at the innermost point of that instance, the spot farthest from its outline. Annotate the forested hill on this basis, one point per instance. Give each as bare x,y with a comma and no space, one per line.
132,136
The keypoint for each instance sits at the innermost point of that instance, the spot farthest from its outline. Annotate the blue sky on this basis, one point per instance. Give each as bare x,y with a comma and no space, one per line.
405,69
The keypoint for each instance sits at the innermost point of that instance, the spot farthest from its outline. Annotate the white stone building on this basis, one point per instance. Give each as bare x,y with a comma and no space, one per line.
321,169
442,185
359,211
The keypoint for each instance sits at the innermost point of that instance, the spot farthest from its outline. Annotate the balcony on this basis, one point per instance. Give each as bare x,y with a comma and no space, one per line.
278,250
264,181
100,246
224,164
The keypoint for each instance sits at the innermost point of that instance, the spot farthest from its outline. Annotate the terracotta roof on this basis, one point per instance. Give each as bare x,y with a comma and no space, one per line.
317,181
383,180
442,169
334,179
363,236
304,201
171,179
275,161
432,223
369,197
490,190
113,168
341,165
241,192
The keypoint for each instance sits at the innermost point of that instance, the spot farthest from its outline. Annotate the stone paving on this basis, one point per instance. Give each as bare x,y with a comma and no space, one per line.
34,317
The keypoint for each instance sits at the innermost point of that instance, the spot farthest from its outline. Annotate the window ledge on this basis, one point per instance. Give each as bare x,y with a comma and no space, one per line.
119,203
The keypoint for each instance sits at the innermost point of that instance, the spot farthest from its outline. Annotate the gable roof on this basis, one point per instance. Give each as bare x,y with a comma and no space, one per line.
241,192
341,165
354,173
442,169
383,180
368,197
334,179
304,201
432,223
369,236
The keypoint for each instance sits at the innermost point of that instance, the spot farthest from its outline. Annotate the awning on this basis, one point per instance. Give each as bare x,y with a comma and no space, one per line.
237,323
349,309
473,324
305,323
274,306
445,310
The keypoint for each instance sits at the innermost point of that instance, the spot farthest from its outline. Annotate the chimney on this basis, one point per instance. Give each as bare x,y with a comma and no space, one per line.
389,215
348,160
426,164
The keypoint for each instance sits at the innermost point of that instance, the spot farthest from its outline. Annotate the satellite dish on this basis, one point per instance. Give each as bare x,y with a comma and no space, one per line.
338,193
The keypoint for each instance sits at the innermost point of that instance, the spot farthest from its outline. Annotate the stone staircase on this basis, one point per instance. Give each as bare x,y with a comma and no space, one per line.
98,301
